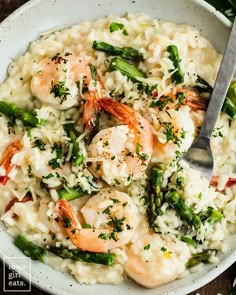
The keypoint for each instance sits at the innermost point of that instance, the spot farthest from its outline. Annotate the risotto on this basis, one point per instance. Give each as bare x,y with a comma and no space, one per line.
94,120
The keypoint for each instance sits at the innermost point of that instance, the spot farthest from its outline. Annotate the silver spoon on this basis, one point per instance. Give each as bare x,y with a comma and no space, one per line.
199,156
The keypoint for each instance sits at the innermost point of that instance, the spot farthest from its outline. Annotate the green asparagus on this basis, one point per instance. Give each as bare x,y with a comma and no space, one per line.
198,258
215,216
73,134
211,215
71,193
175,201
178,75
229,106
206,86
124,52
189,241
156,181
78,255
14,112
155,199
30,249
127,69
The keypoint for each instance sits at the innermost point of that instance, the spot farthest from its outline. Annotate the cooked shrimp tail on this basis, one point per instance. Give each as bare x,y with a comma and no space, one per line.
196,101
101,214
90,112
11,150
140,126
126,149
122,112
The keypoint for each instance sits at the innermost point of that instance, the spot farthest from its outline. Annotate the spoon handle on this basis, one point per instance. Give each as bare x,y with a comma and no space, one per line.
223,80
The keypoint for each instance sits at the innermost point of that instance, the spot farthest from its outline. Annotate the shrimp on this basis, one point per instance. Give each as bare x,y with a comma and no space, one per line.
61,80
11,150
154,260
111,218
182,96
122,153
174,133
8,207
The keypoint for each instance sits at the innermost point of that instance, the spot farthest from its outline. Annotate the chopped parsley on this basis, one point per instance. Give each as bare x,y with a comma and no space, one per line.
115,27
55,162
125,33
169,131
29,170
170,134
138,145
117,223
147,247
115,200
39,144
217,132
66,222
86,225
145,88
107,210
50,175
143,157
179,182
163,249
60,90
161,103
103,236
180,96
111,94
56,56
116,181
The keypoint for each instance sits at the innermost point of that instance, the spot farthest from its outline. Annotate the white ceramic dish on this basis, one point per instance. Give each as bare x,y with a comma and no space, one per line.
37,16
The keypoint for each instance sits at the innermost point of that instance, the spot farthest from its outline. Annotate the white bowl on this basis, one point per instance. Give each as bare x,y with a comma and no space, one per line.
37,16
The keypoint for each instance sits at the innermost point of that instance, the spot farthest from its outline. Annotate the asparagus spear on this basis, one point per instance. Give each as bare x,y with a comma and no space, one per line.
229,106
14,112
211,215
78,255
215,216
182,209
189,241
124,52
178,76
71,132
155,197
207,87
156,180
127,69
198,258
71,193
30,249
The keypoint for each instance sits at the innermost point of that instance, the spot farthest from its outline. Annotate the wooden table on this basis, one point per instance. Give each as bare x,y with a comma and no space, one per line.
222,284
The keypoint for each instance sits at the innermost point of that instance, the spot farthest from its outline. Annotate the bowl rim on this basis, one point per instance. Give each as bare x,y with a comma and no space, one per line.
196,284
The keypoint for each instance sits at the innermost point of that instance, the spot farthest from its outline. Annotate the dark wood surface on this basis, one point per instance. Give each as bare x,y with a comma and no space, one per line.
222,284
